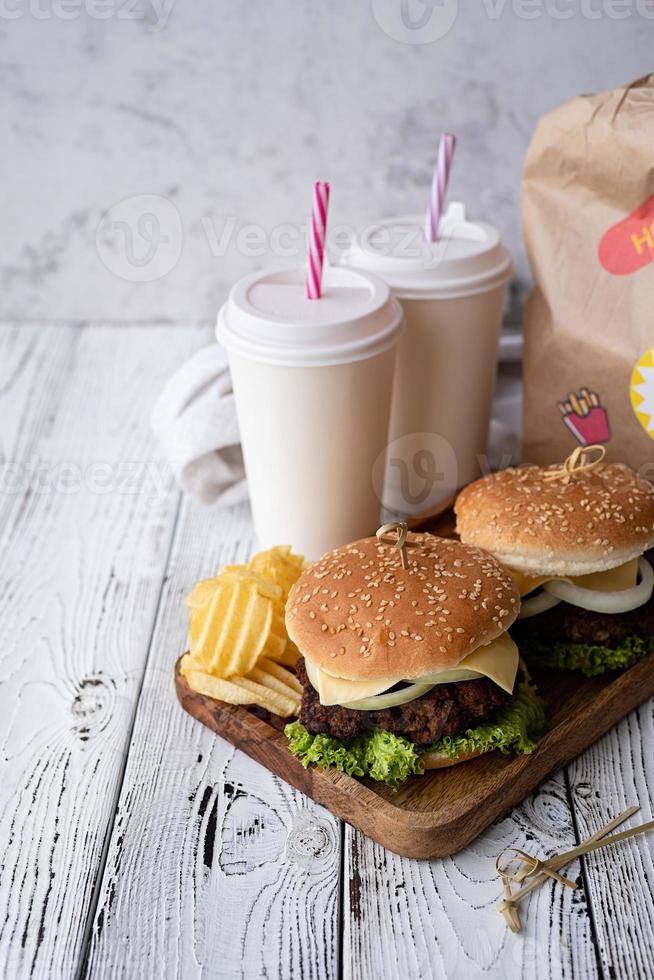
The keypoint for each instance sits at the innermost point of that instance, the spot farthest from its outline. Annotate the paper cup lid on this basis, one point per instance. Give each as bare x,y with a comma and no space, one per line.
268,317
468,258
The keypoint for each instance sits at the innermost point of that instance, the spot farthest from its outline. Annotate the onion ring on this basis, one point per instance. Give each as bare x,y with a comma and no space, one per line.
537,604
390,699
607,602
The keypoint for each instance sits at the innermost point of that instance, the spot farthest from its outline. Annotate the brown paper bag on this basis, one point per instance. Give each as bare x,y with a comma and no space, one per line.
588,209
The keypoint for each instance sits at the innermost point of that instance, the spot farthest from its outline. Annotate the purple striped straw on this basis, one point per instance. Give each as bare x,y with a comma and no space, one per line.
439,186
317,239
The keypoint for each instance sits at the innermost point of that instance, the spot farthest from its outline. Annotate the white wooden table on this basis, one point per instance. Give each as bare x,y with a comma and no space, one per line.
137,844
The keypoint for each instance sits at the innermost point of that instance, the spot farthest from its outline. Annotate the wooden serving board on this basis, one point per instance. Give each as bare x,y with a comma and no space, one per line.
439,813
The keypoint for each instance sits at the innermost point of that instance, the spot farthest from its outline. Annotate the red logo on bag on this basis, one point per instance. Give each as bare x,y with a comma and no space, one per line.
629,245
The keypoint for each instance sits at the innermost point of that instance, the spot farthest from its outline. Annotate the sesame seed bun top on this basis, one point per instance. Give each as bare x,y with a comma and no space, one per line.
600,519
359,615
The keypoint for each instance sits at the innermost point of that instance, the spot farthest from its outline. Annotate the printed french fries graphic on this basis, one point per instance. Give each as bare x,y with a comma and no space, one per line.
584,415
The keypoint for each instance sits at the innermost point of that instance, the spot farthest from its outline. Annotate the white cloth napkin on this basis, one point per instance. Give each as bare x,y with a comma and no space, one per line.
194,419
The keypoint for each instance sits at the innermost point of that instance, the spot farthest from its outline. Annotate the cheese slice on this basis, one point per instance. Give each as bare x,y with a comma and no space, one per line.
527,583
615,580
497,660
339,690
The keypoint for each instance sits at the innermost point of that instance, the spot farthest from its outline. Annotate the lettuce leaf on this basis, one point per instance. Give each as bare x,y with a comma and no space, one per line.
383,756
391,759
589,658
516,728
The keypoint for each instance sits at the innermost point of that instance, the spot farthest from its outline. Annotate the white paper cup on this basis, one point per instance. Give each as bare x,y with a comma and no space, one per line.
312,382
452,292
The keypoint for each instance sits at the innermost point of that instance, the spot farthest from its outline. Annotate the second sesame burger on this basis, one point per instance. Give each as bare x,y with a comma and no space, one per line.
574,539
407,668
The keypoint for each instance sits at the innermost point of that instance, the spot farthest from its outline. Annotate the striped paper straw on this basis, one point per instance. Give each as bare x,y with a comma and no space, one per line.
317,239
439,186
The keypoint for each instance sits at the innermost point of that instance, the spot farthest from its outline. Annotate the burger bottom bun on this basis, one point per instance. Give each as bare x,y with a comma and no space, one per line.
440,760
560,563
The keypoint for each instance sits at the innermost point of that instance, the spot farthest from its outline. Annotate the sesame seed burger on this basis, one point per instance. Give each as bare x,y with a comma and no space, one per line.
574,540
405,669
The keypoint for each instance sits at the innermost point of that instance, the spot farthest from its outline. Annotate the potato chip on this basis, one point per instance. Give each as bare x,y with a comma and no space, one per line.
202,593
274,688
290,656
280,565
277,641
199,601
236,619
280,704
276,677
231,692
234,630
242,573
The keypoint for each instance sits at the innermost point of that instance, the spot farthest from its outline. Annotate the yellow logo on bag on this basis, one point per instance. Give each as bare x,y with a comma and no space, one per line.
641,391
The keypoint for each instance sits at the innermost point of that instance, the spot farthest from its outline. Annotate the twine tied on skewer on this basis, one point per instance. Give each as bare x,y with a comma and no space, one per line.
530,866
579,461
539,871
399,540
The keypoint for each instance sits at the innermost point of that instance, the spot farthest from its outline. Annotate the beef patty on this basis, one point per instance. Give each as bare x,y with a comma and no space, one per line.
575,625
445,710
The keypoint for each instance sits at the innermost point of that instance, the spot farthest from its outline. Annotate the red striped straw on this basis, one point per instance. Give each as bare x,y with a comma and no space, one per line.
317,239
439,186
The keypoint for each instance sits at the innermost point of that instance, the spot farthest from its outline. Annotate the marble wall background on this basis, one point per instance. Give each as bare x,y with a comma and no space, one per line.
227,110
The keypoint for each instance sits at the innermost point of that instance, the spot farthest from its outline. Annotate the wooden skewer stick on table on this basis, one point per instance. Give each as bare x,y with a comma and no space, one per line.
560,860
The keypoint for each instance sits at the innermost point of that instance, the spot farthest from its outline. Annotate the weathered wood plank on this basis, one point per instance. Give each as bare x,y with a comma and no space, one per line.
616,773
216,867
439,918
87,515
